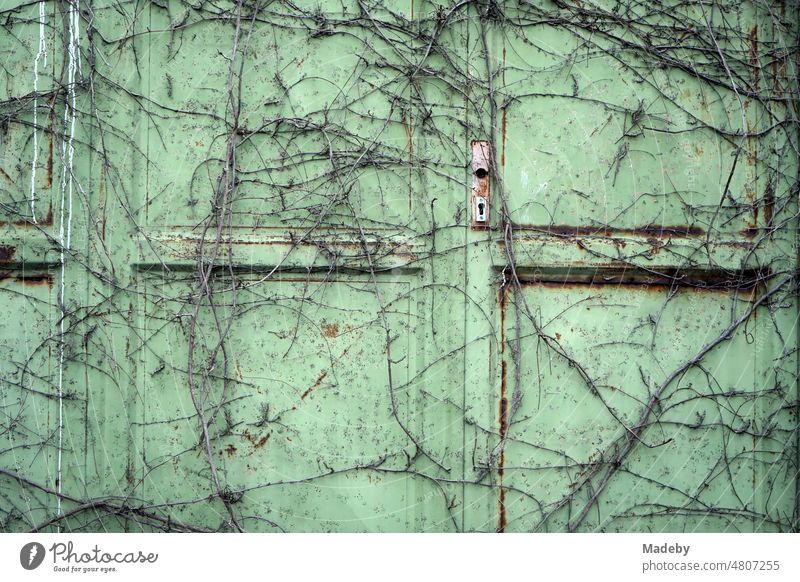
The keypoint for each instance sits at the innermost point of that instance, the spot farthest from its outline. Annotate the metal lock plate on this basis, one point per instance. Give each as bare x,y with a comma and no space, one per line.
481,156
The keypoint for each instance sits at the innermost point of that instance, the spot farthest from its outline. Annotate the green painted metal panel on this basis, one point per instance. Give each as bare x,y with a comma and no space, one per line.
713,434
244,287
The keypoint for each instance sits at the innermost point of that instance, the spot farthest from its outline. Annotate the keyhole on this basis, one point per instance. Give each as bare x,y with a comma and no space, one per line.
480,209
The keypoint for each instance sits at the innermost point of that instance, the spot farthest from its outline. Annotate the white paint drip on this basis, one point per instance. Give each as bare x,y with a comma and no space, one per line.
41,54
65,232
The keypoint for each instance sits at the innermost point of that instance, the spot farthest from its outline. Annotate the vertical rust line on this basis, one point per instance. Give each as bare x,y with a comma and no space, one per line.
503,411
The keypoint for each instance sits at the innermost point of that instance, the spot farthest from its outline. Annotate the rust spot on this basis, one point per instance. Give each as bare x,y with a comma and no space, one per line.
257,444
558,336
655,245
769,201
262,441
316,385
47,221
7,253
650,230
231,450
330,330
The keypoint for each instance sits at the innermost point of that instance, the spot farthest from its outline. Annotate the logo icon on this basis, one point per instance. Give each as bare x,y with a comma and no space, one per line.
31,555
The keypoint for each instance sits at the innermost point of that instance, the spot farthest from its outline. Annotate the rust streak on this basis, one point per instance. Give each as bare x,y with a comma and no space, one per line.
52,117
503,412
653,281
34,280
501,524
650,230
752,145
504,131
316,385
262,441
753,37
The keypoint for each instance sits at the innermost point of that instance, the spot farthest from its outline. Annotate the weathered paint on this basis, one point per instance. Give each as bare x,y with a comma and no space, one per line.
388,364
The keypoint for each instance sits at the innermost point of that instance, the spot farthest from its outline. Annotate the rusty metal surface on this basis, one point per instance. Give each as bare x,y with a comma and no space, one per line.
244,288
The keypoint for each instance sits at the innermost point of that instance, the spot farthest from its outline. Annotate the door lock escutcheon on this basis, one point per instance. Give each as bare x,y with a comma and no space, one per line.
481,155
480,209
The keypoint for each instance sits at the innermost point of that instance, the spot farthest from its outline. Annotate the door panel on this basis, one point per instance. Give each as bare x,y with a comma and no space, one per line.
633,225
27,145
324,134
625,157
309,426
338,406
29,377
706,451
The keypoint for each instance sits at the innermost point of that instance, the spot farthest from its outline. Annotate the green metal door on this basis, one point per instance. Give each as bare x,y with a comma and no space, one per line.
384,266
645,362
